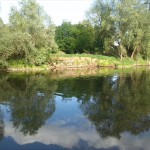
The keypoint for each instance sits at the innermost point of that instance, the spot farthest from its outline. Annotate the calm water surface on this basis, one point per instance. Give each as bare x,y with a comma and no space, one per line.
98,112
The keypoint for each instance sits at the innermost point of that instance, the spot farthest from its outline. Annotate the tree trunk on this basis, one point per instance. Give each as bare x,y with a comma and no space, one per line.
133,53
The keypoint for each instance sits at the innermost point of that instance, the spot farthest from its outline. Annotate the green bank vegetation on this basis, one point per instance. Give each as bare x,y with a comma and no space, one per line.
116,33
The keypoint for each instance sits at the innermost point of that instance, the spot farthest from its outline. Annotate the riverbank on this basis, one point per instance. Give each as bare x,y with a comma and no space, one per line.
79,61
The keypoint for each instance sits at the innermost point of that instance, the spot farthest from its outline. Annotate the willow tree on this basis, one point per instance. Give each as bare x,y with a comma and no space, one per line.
100,16
124,20
5,44
132,20
31,20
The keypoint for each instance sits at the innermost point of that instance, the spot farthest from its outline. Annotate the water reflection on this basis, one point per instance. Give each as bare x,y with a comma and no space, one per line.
1,125
29,107
29,114
80,113
113,109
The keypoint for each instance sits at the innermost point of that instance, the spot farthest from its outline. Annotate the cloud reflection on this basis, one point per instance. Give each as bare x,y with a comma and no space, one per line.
69,137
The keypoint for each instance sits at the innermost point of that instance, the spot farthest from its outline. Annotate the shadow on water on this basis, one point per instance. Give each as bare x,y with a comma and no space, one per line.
113,103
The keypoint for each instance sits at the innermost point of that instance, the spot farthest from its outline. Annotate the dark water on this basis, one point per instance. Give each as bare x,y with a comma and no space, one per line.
98,112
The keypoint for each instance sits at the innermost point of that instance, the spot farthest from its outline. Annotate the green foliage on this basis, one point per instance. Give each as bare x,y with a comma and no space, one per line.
127,20
85,37
100,16
65,37
30,35
41,57
5,45
78,38
133,29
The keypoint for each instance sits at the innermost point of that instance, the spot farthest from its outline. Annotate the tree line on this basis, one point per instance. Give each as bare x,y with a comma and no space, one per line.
119,28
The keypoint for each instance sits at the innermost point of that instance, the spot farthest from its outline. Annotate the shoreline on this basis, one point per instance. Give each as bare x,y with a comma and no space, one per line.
78,62
77,72
47,69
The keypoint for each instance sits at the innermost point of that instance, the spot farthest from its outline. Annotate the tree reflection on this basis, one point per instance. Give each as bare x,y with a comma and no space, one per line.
114,104
1,125
120,109
30,114
31,101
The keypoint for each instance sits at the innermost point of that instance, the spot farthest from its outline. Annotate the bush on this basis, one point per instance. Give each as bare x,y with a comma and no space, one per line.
3,64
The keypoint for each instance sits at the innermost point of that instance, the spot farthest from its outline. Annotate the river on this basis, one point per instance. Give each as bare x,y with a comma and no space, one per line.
106,110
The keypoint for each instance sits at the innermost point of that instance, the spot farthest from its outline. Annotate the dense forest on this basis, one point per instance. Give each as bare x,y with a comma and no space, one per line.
119,28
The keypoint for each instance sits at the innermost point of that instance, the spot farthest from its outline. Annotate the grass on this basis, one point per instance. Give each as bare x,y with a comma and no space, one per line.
100,60
78,61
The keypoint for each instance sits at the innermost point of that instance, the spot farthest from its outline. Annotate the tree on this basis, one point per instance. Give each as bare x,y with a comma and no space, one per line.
126,21
100,16
66,37
78,38
85,37
5,45
132,24
13,45
32,20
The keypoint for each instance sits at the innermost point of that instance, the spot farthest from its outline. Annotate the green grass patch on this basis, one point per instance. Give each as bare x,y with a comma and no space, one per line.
79,60
19,63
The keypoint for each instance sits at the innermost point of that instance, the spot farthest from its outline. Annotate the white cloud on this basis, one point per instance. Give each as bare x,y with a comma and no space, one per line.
63,133
62,136
69,136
